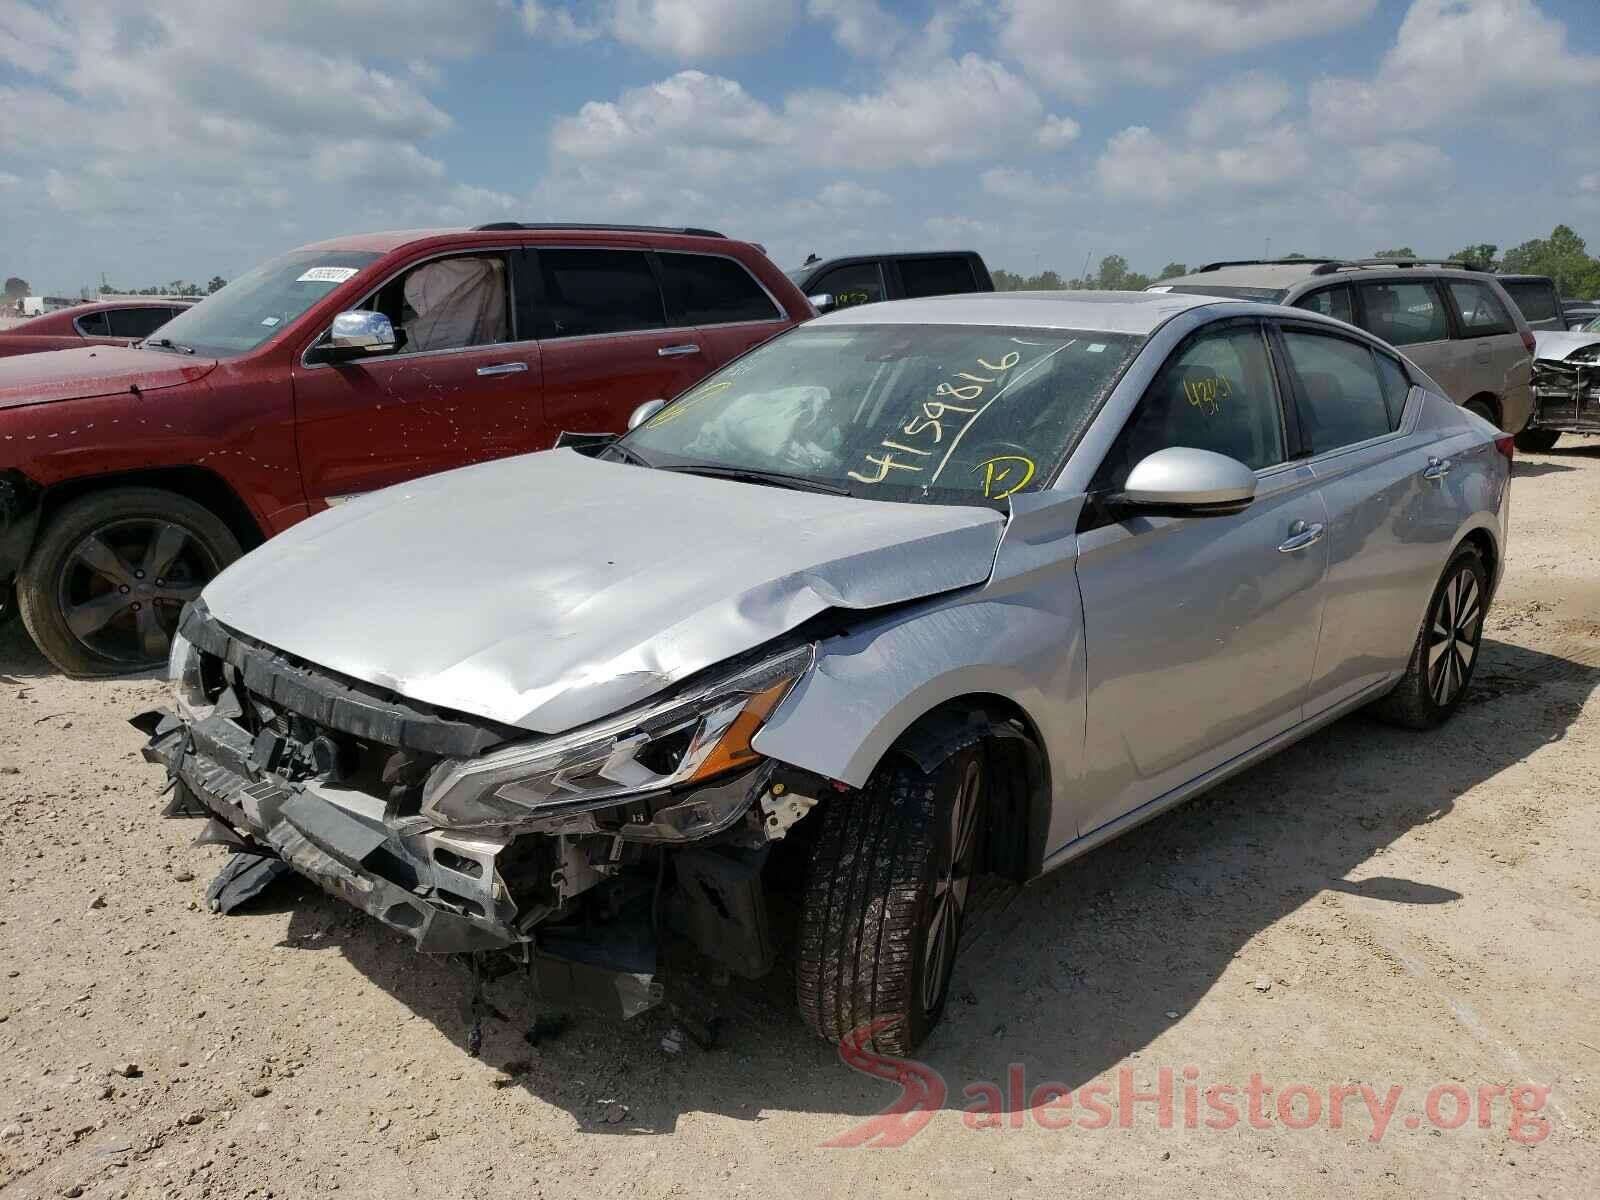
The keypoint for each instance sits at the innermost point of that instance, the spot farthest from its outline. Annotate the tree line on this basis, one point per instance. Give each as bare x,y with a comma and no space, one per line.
177,287
1563,256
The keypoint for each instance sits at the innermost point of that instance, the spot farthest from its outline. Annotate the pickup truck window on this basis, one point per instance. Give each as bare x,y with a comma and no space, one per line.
857,283
937,276
262,303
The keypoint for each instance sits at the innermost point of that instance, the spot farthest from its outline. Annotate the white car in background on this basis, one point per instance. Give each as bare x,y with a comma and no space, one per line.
1566,386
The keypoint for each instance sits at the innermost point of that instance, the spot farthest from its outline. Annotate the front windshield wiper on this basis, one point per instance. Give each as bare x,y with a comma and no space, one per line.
773,478
167,344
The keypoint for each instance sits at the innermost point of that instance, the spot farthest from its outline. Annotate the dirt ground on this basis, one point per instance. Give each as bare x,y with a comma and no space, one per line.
1371,907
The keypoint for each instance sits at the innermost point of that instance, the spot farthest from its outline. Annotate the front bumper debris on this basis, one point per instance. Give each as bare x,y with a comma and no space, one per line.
1566,396
326,775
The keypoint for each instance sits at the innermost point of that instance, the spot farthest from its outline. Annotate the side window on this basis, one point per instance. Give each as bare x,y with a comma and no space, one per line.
1216,393
1330,302
138,322
1404,314
1481,311
1536,299
1342,398
858,283
1396,387
448,304
703,289
94,324
599,291
936,276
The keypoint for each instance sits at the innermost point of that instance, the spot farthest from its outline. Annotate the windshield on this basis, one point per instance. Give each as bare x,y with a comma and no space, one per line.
953,414
261,303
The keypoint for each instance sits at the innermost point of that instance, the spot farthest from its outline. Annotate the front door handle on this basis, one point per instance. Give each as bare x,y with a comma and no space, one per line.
1437,468
678,351
1301,535
510,368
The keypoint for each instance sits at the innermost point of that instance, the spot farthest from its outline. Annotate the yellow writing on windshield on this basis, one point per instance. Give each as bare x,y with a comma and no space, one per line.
671,413
1004,474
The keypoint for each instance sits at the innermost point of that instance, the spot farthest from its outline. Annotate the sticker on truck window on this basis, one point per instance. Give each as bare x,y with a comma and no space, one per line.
328,274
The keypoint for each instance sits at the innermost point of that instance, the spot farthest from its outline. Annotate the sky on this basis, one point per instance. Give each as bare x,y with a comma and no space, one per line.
152,140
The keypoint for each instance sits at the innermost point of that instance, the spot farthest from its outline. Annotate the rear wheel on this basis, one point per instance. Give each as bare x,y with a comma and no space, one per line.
103,588
1446,650
1537,441
884,903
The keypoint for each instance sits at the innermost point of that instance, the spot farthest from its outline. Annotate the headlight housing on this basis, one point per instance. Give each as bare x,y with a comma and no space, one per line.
188,685
647,750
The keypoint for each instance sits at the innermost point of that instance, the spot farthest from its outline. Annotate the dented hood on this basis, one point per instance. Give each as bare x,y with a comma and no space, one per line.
550,590
1556,346
93,371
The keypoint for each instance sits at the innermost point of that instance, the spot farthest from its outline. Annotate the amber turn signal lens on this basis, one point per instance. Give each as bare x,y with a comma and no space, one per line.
734,751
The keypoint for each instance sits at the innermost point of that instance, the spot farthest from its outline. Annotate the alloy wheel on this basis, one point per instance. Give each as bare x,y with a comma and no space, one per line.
1453,637
952,880
124,585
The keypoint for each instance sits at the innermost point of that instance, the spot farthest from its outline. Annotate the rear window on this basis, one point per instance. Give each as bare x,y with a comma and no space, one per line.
1226,292
599,291
139,322
937,276
1535,297
95,324
1481,312
703,289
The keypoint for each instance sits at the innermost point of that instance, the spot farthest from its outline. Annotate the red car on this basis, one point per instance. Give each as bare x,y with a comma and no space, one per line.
131,475
100,323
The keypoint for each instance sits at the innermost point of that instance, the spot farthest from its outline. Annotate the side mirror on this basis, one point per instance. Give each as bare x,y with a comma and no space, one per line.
357,334
1187,481
823,302
644,412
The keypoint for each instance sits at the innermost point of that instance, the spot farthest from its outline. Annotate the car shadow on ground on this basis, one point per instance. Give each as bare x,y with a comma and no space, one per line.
1072,974
1522,467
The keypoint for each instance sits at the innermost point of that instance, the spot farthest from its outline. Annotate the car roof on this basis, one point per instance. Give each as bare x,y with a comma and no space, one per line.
1283,276
1107,312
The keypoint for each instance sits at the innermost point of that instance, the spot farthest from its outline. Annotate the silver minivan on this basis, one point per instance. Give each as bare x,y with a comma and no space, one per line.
1459,326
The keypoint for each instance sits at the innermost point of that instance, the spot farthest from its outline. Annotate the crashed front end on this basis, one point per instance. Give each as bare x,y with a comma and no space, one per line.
1566,393
471,837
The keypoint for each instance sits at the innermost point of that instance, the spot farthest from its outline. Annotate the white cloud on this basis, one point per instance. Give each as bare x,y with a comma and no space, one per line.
1077,47
685,30
1056,132
955,229
861,27
1023,187
846,193
1461,64
1252,100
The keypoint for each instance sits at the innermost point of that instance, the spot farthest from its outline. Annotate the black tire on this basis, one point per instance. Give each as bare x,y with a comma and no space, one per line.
8,603
887,863
1537,441
1440,668
124,533
1480,408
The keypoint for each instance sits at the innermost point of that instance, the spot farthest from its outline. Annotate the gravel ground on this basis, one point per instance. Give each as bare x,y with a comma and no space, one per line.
1371,907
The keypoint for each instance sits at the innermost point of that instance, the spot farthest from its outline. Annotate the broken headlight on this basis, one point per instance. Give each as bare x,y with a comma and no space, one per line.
184,669
689,738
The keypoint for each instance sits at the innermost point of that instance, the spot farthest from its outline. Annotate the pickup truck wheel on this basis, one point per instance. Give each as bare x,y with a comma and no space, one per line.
1537,441
885,897
109,575
1446,648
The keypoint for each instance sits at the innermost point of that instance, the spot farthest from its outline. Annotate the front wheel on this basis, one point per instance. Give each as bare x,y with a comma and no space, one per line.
1537,441
102,590
885,899
1446,649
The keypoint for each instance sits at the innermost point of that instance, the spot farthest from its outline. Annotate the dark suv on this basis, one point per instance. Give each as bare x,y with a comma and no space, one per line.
130,475
867,278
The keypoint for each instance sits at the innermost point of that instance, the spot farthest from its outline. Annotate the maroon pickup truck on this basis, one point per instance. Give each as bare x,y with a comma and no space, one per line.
129,476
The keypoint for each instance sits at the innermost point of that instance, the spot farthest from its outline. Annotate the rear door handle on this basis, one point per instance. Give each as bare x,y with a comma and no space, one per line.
678,351
1301,535
510,368
1437,468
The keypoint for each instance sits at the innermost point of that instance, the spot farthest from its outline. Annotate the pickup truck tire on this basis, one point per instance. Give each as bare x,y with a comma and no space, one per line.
1446,649
1537,441
111,571
888,885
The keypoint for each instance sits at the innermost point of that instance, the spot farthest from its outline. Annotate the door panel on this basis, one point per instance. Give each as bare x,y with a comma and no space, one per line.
592,384
1201,636
365,425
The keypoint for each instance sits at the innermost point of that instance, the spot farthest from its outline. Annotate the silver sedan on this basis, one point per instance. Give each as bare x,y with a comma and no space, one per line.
909,593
